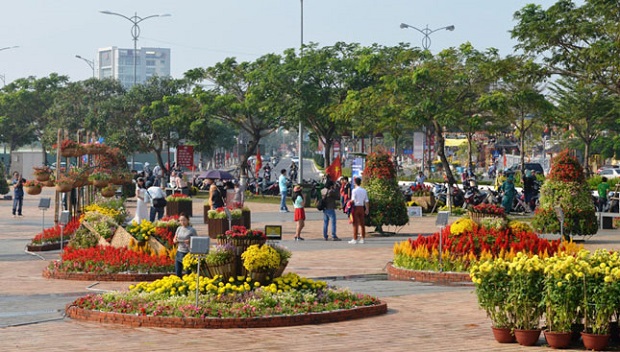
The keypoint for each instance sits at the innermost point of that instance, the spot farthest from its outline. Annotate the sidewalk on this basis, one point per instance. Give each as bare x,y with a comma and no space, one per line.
421,317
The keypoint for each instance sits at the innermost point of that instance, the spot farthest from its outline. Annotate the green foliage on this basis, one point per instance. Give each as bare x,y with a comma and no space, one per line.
4,185
387,203
84,238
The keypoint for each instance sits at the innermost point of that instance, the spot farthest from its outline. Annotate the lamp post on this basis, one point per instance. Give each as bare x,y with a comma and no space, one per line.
9,47
426,32
2,77
135,34
90,63
300,139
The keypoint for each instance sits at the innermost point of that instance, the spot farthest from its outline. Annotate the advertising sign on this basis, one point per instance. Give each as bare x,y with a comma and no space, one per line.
185,156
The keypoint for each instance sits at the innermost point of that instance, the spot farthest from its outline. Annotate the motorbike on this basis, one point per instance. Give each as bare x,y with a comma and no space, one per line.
473,195
440,191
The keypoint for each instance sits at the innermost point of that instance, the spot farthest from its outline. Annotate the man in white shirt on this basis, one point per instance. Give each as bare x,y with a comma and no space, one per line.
153,193
361,207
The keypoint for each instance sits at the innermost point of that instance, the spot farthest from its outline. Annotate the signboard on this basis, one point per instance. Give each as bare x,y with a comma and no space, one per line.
44,203
414,211
185,156
442,218
273,232
357,167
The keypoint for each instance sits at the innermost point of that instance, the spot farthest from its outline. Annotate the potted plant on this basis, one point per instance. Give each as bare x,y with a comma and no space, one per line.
42,173
260,261
70,148
563,292
99,179
220,261
217,219
478,212
64,183
423,196
525,296
108,191
285,255
492,289
179,203
33,187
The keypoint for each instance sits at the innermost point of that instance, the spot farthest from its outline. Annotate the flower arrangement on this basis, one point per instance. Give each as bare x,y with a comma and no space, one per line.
241,232
67,144
41,170
220,213
111,208
109,259
563,291
488,209
65,180
142,231
221,254
525,293
172,297
99,176
178,197
33,183
420,190
259,258
461,225
601,289
165,229
492,287
52,234
285,253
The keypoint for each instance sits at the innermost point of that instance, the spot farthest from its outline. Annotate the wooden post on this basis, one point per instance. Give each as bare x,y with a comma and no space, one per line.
57,197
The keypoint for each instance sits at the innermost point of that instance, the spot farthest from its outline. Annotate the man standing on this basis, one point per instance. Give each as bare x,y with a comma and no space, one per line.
331,196
283,183
157,197
361,208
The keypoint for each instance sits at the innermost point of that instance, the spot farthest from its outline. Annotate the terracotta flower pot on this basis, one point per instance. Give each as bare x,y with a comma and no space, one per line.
108,192
558,339
100,183
64,187
33,190
42,177
527,337
595,342
503,335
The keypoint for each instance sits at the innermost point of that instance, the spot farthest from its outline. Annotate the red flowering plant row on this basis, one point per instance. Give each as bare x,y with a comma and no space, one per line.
490,209
460,252
241,232
52,234
179,197
420,189
165,229
108,259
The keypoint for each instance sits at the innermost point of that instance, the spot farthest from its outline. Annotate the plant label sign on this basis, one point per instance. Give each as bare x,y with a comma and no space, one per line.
442,218
414,211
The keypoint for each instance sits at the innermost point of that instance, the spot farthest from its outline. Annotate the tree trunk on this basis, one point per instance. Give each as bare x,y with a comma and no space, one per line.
440,142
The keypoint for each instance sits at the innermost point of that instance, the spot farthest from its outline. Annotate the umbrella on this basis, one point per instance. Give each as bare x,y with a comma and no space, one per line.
217,174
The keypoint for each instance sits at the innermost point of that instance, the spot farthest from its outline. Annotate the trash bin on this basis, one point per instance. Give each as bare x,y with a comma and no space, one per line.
306,189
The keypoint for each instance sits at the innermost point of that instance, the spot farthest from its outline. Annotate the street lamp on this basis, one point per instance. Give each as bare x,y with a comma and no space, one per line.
426,32
2,77
90,63
9,47
300,139
135,34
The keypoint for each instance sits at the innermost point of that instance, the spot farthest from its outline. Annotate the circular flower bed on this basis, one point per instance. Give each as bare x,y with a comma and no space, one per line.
236,302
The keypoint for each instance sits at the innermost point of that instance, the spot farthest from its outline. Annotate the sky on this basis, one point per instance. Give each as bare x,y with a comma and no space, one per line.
201,33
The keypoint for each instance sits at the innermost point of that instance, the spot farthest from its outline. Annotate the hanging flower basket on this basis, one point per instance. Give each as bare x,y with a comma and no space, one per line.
33,190
64,187
69,152
100,183
108,192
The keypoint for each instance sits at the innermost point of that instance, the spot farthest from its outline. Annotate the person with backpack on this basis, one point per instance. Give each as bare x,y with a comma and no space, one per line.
329,198
156,195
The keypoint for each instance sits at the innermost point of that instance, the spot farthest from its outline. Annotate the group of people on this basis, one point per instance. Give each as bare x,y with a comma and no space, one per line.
152,195
354,202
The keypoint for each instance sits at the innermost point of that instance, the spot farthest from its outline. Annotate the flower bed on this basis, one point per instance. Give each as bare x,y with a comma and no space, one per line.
49,239
289,300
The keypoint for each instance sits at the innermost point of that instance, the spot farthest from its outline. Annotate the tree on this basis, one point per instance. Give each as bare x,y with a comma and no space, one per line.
247,95
518,99
585,110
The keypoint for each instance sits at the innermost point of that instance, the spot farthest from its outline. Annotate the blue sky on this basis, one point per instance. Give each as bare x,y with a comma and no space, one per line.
201,33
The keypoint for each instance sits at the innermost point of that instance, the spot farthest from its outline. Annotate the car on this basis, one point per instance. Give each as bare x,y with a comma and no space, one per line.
528,166
610,173
617,167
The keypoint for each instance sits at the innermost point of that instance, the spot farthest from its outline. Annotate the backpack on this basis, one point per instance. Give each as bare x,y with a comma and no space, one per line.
321,204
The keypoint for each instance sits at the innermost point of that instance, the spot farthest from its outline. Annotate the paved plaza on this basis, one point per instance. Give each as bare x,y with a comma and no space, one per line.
421,317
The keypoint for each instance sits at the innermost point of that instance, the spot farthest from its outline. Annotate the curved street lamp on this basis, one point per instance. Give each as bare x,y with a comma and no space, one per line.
90,63
9,47
135,33
426,32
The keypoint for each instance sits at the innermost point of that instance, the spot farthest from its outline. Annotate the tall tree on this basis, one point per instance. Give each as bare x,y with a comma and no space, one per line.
585,111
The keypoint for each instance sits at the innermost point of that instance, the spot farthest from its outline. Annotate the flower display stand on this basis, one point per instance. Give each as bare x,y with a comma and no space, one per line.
426,202
478,217
225,270
176,208
260,276
219,226
280,270
205,214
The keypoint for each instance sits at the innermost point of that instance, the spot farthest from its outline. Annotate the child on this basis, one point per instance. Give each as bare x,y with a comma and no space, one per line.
300,214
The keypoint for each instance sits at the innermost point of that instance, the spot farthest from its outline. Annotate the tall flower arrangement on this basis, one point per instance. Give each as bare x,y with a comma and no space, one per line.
387,203
566,187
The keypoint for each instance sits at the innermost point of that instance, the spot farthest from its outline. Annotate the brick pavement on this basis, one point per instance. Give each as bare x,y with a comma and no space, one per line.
424,319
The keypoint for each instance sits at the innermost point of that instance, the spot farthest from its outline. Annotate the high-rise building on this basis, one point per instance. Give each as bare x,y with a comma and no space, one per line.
118,63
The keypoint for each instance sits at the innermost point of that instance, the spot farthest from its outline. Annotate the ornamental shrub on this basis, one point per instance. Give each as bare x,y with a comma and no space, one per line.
387,203
567,188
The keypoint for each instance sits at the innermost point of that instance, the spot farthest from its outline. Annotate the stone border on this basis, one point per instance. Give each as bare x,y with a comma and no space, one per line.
74,312
103,277
446,277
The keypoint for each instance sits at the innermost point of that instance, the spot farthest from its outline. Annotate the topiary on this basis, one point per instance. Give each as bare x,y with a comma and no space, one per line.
387,203
4,185
566,188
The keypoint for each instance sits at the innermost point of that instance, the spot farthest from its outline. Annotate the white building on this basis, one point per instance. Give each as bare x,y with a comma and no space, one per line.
118,63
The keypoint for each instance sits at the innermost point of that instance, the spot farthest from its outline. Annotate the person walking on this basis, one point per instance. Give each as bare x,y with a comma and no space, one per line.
141,204
603,189
216,198
509,193
283,184
156,195
330,196
300,213
182,239
345,191
18,194
361,208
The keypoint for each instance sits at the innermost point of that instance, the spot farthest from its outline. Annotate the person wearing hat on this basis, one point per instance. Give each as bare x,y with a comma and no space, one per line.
300,213
508,187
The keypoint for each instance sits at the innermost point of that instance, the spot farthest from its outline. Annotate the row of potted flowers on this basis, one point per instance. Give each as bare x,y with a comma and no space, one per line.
566,289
